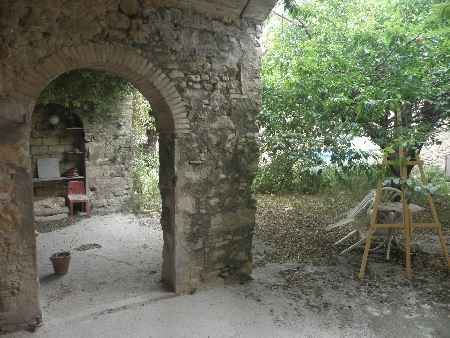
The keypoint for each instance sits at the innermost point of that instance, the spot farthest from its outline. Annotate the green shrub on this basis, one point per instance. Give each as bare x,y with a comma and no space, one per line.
438,185
145,175
145,167
277,177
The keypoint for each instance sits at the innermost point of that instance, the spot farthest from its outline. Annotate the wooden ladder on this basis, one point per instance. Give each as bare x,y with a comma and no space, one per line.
408,226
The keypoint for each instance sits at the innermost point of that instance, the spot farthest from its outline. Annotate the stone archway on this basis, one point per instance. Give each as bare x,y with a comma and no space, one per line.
198,63
121,61
171,122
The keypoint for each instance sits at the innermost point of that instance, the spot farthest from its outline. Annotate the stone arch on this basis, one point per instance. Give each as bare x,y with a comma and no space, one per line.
168,107
22,91
121,61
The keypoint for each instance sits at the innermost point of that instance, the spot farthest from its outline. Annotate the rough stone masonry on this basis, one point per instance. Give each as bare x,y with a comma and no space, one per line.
102,151
197,62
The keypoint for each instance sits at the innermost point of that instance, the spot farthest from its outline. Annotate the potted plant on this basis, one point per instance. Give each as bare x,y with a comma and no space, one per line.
60,261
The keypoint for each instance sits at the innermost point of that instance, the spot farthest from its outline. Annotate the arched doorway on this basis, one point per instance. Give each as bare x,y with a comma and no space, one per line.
199,67
167,104
171,123
93,127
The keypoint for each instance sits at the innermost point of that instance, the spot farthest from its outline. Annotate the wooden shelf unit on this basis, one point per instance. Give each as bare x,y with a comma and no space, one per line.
57,179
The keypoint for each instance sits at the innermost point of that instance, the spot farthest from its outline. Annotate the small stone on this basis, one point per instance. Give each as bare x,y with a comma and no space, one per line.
214,201
118,20
194,78
129,7
176,74
208,86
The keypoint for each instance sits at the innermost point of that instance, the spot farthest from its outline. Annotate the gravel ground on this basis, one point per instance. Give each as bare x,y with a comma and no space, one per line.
291,234
294,226
299,278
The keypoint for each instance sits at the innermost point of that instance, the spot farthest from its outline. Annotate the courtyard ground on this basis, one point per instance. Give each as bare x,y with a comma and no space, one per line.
114,257
301,287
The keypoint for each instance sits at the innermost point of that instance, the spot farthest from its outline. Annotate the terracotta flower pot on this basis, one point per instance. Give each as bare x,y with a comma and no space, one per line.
60,261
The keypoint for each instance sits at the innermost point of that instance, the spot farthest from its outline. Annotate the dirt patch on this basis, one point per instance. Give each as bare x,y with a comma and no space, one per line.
294,226
89,246
291,233
44,226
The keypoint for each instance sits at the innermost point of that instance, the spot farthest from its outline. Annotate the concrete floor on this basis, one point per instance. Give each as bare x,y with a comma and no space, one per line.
221,312
114,257
259,309
114,291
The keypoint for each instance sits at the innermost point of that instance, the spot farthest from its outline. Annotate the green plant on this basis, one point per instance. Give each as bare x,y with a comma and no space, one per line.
145,167
91,91
276,177
336,69
437,186
146,195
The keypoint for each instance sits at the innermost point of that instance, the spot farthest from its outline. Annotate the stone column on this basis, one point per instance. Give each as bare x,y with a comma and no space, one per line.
19,287
166,187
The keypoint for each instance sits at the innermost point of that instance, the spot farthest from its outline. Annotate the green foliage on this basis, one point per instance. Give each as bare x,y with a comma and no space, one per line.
275,178
146,195
145,166
142,121
344,68
438,185
91,91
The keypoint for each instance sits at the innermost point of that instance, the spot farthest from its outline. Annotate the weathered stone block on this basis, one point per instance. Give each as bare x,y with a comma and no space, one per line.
176,74
194,78
50,141
36,141
39,150
56,149
129,7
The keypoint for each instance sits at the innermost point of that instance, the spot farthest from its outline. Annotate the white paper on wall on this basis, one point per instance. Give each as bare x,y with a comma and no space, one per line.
48,168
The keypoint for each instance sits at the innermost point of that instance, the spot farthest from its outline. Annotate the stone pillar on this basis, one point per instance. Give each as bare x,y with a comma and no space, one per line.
19,287
166,187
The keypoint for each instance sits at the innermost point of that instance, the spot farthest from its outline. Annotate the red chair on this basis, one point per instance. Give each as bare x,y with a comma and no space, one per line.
76,193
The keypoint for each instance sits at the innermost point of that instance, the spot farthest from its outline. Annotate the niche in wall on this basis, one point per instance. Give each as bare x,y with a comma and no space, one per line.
56,134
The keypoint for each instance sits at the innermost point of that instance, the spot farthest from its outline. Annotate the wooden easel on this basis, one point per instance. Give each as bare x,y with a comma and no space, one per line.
408,226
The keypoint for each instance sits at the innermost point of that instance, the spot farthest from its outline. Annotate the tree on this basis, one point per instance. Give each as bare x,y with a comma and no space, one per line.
336,69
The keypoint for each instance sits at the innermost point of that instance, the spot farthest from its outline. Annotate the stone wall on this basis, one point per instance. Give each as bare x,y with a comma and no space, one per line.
436,154
201,76
48,141
109,158
101,151
56,142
